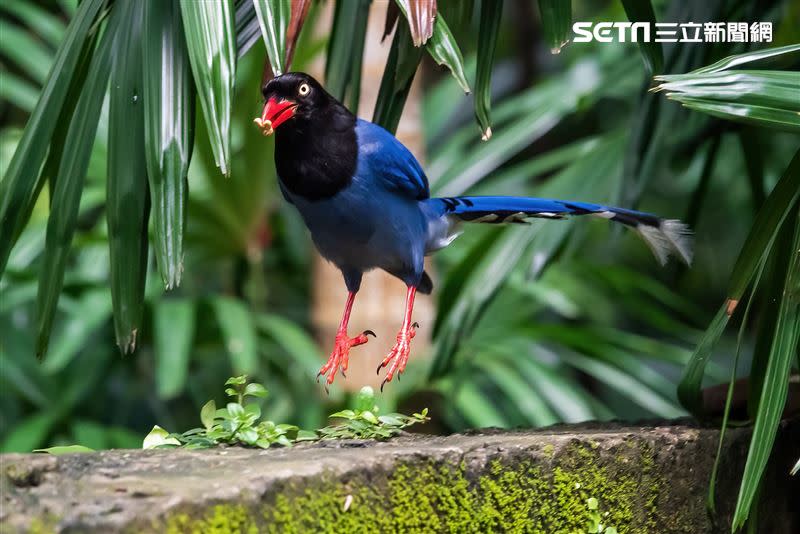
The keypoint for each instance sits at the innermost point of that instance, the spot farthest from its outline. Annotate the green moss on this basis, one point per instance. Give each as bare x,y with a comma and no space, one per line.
44,525
220,519
508,494
322,509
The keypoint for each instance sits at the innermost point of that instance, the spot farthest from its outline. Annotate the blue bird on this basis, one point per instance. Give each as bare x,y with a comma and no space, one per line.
365,199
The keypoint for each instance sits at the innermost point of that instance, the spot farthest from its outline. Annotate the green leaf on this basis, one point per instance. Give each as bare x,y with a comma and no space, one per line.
43,23
485,278
90,434
712,484
306,435
652,53
299,345
754,252
769,294
344,414
469,401
238,331
210,39
246,25
92,311
236,380
444,50
562,394
173,331
273,18
795,469
25,51
463,161
369,416
19,92
169,131
401,66
390,420
365,400
64,449
491,14
556,22
770,217
528,400
208,413
484,270
775,389
248,436
763,98
783,53
346,50
253,410
623,381
255,390
127,197
69,184
22,180
235,409
158,437
29,433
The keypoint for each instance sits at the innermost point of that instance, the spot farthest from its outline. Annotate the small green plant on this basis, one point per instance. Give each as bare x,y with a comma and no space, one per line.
365,423
596,525
240,423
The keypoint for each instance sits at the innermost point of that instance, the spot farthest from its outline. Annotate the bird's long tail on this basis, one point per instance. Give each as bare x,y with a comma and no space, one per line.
664,236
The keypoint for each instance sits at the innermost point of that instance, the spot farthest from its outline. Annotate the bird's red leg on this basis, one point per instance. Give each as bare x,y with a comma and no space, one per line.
342,345
398,356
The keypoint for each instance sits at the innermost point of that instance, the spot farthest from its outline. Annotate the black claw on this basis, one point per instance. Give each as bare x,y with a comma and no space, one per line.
327,392
369,333
383,384
318,375
398,377
378,370
415,324
342,371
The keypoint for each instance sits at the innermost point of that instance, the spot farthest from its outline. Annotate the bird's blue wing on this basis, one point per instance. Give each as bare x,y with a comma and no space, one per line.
388,162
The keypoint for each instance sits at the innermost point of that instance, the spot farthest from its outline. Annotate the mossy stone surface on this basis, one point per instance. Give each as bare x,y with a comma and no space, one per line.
642,479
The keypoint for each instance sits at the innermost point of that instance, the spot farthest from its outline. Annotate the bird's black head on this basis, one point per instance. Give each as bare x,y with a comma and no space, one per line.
294,97
316,148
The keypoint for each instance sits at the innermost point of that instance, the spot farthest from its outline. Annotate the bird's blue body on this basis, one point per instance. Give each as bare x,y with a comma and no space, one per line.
366,202
378,221
386,219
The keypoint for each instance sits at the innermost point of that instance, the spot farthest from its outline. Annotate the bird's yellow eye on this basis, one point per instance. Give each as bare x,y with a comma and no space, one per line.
304,89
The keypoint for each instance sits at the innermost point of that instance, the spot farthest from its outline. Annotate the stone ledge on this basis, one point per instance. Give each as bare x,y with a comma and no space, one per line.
645,479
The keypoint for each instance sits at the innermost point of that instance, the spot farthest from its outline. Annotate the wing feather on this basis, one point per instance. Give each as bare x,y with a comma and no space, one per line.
389,163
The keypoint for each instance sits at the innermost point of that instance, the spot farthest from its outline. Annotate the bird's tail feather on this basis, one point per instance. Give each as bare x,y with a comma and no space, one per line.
664,236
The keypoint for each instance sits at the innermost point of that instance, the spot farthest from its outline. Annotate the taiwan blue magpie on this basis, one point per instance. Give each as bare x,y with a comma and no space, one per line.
365,199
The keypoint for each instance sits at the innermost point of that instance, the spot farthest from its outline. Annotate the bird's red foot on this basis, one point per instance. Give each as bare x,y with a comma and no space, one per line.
398,356
341,351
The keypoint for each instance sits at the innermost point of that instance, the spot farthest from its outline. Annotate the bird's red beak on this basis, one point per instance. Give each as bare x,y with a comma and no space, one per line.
275,113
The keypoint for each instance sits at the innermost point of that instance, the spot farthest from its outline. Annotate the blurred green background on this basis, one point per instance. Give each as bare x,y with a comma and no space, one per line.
555,322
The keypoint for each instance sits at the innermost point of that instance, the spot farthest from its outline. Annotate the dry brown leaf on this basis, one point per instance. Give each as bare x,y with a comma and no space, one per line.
299,12
420,14
392,13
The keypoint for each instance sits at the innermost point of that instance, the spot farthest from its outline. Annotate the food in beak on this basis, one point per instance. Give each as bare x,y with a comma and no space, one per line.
274,114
